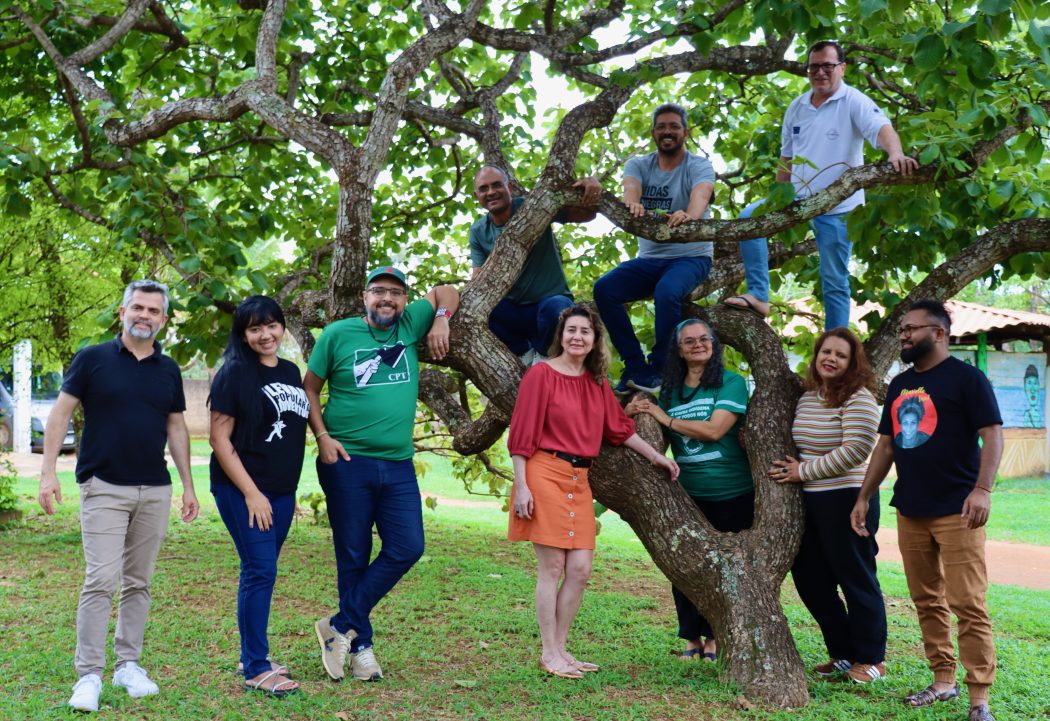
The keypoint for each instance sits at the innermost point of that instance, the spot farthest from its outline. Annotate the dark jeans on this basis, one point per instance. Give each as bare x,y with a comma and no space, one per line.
832,556
524,325
667,281
360,493
728,516
258,551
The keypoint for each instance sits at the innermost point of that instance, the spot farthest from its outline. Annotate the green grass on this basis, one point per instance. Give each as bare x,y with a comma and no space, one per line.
457,637
1020,511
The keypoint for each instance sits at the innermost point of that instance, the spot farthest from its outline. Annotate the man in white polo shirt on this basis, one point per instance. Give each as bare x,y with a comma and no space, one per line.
827,126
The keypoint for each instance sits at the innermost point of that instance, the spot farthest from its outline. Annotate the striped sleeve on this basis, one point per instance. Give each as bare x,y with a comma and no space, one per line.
859,426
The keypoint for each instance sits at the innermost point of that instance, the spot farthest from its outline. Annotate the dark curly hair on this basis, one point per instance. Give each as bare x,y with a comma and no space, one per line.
675,369
858,373
597,361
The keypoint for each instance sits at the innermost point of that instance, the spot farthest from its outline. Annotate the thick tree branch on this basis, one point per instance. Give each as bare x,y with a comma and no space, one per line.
1031,235
436,390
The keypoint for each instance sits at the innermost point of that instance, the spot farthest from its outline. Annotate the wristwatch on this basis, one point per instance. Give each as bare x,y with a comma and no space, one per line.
442,312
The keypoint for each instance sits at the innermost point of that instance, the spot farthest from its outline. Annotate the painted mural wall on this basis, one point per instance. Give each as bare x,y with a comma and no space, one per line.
1019,380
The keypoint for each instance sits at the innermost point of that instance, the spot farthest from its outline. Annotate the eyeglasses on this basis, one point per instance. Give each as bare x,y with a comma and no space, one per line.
818,67
693,342
380,292
907,330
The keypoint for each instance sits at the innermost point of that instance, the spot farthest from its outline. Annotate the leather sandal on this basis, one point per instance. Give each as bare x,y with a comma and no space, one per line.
980,712
929,696
276,688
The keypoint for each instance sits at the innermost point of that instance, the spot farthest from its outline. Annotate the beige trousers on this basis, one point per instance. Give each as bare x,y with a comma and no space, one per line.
945,568
122,529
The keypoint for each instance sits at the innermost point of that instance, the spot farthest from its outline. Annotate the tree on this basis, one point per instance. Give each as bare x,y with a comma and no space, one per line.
350,132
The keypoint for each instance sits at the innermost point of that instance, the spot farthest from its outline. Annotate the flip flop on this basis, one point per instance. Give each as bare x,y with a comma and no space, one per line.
690,653
571,673
585,666
710,657
277,690
749,305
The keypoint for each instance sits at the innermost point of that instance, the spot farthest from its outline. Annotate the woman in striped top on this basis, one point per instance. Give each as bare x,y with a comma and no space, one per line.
835,428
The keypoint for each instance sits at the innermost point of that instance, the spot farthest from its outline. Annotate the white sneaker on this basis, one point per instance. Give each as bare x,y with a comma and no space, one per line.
86,692
364,667
529,358
133,677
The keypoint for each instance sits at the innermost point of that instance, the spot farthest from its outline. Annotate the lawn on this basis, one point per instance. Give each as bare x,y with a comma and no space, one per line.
457,638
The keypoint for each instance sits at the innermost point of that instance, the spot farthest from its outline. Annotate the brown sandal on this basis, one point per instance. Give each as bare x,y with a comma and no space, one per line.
929,696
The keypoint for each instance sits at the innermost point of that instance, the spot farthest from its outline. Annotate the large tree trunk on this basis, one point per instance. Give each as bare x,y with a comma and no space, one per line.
733,578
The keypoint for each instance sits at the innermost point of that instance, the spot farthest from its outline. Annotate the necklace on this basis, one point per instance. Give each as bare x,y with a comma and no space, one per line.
684,398
392,335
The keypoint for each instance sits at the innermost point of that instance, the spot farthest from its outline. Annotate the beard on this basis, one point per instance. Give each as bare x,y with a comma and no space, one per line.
137,331
380,322
669,151
917,351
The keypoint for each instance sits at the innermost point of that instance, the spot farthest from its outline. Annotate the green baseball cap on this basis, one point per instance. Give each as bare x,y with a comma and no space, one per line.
390,271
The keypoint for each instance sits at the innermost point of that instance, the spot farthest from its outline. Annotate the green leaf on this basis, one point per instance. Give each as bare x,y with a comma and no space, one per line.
929,154
1040,33
1037,114
870,7
929,52
994,7
17,205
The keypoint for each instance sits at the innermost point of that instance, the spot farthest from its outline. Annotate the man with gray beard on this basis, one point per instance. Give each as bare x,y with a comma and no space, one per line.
133,403
364,453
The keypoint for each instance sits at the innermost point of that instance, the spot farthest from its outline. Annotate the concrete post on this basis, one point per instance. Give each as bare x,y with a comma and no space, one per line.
23,375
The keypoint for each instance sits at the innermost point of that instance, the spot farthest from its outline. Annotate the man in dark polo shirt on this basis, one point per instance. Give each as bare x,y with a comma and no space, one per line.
133,403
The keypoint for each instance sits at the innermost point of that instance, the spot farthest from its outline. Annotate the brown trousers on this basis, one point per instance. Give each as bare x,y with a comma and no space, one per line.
944,565
122,528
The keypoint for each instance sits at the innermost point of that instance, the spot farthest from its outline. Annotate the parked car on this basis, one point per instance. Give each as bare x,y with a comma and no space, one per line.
43,394
7,420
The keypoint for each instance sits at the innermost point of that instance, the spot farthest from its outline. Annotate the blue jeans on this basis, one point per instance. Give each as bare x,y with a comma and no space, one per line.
667,281
524,325
755,254
258,551
834,248
360,493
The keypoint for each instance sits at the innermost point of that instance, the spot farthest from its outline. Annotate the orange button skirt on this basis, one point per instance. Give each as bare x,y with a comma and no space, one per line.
563,514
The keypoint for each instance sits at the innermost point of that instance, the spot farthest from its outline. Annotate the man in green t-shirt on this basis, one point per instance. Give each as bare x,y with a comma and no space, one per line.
526,317
364,448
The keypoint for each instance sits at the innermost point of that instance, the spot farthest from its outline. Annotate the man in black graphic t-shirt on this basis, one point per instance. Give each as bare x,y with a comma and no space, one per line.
936,414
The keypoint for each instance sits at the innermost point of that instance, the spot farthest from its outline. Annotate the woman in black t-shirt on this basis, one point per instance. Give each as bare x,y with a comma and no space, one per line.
258,437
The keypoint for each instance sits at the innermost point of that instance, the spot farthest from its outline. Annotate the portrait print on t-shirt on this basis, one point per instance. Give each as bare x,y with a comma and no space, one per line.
914,418
381,366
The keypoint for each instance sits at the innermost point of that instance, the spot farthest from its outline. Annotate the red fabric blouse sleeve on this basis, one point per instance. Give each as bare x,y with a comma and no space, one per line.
530,412
617,427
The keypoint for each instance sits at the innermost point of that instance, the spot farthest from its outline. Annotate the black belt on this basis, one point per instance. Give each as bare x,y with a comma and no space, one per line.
575,461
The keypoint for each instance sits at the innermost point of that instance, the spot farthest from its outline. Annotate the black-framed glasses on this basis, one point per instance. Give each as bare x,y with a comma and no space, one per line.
907,330
815,68
380,292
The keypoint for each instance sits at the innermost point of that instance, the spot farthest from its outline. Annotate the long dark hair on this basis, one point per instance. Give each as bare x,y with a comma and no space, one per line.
675,369
858,373
597,361
241,370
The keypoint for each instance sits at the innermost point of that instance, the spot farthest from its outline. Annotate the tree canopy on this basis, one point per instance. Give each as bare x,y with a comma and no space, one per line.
267,148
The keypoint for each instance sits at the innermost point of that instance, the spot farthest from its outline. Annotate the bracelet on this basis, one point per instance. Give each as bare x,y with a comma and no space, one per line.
986,490
670,425
319,436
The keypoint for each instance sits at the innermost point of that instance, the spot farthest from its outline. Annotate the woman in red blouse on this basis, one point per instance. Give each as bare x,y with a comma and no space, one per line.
564,410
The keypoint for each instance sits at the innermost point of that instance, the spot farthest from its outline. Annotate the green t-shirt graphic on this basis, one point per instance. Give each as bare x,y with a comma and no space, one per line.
373,381
710,470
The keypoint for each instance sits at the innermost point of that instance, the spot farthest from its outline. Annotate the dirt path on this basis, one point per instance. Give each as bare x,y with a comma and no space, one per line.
1016,564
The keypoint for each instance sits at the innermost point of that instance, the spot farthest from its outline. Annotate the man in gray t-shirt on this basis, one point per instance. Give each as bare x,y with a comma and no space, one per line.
674,181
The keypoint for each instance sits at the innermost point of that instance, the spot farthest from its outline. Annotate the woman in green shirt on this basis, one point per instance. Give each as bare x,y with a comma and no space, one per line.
702,406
